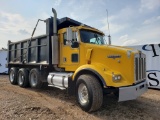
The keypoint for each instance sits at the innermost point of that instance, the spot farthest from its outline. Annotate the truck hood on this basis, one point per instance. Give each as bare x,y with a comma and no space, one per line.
113,59
111,49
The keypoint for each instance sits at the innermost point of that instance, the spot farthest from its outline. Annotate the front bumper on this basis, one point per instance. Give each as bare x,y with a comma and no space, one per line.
132,92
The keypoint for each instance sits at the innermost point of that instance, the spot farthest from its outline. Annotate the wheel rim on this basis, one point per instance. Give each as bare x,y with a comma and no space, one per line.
11,76
20,78
33,79
83,93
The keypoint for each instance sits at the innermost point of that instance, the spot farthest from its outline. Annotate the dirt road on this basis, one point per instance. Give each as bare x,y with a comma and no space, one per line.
53,104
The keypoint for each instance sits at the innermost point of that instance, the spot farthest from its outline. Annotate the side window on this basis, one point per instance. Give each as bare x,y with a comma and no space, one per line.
65,41
69,42
64,38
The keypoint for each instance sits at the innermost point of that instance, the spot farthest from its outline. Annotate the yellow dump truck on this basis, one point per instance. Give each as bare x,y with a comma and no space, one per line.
75,57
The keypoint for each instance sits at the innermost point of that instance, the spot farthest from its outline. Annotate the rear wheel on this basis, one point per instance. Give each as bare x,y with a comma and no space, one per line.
35,78
89,93
23,78
13,76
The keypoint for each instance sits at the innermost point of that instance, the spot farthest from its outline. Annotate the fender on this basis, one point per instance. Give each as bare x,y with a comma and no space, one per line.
92,69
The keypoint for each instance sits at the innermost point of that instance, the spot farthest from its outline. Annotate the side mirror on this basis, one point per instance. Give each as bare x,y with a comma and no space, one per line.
75,44
69,33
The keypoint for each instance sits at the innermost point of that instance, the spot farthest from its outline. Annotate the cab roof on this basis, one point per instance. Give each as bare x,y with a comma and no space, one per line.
66,22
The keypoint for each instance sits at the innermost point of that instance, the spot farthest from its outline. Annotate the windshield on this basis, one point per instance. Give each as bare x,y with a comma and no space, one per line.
92,37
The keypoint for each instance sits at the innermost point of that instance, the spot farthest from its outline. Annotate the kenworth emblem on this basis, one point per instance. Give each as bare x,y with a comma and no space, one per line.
114,56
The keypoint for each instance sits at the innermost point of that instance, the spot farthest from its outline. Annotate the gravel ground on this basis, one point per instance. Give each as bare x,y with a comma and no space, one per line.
17,103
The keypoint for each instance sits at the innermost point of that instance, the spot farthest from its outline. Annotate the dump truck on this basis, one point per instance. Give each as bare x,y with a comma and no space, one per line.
73,56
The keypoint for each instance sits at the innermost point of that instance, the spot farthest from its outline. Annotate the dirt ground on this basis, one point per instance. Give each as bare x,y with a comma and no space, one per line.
17,103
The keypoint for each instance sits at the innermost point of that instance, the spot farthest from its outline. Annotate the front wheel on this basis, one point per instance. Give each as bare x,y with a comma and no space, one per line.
89,93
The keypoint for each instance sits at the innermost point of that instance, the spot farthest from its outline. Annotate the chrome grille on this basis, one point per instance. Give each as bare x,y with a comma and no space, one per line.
140,67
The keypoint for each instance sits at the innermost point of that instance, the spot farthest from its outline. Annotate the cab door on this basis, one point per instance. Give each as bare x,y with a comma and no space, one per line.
69,48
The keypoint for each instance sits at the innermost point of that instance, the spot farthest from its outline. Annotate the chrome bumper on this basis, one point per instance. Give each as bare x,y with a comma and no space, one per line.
132,92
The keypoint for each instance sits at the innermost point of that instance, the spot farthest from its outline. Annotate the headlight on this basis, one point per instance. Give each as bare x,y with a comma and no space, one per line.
116,77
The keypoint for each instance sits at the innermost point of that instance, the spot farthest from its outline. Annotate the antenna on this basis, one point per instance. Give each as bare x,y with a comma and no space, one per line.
108,22
109,37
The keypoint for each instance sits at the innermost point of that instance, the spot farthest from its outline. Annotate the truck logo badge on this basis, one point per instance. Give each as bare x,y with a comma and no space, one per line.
114,56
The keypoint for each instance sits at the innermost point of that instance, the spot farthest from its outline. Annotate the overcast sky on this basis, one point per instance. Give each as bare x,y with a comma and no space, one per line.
132,22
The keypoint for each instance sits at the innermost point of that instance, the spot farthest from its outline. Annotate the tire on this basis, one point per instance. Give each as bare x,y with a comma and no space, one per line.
89,93
35,79
13,76
23,80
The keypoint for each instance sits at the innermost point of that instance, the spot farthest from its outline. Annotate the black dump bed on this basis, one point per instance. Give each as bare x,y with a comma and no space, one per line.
26,51
38,50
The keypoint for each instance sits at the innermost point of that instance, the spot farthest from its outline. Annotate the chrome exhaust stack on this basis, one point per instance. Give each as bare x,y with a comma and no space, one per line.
54,22
55,51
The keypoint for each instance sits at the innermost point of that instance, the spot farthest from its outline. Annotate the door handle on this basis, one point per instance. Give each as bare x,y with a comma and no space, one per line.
64,59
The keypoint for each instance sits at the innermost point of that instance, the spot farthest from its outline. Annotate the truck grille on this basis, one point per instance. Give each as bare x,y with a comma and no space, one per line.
140,67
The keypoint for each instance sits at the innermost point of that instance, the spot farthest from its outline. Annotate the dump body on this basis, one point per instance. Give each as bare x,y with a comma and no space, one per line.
30,52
